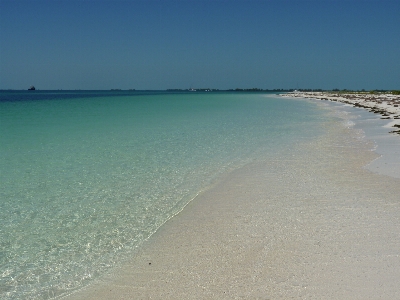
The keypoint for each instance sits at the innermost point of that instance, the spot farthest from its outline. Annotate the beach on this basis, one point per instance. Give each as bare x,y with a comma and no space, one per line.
385,104
80,197
312,223
160,150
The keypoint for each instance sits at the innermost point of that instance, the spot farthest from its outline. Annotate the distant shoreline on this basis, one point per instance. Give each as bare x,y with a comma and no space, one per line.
299,225
385,104
273,90
156,90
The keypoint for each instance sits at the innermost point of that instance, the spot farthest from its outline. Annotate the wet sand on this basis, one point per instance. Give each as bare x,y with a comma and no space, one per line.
311,223
387,105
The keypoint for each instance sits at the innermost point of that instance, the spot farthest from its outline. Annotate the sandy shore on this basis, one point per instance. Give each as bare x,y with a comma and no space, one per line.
387,105
310,224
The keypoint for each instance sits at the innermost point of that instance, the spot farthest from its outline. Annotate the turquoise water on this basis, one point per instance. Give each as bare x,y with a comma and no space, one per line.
85,177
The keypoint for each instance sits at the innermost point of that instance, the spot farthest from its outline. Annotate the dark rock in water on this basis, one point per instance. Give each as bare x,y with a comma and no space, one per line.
32,88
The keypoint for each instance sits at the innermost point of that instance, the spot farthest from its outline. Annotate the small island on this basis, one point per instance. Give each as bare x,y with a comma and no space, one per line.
31,88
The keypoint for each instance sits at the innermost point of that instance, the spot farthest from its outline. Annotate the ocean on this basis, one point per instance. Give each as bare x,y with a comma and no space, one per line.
87,176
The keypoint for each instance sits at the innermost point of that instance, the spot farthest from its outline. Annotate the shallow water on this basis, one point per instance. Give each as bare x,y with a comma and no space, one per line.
86,177
373,128
308,223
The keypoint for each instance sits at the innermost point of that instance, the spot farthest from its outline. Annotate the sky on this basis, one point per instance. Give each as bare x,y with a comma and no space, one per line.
106,44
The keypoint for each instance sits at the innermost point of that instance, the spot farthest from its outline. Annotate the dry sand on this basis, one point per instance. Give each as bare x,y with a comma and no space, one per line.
310,224
387,105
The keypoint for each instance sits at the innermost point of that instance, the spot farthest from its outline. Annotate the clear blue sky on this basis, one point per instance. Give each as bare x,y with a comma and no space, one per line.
353,44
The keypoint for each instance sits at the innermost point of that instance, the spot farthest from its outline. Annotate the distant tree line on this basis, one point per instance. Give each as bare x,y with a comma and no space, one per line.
394,92
258,90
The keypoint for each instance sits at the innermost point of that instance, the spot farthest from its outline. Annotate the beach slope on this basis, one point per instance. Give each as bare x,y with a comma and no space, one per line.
311,223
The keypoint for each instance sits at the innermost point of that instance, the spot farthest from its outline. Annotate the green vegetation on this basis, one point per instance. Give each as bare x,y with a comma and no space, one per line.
363,91
336,91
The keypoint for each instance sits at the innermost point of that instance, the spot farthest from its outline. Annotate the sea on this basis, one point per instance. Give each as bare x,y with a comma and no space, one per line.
87,176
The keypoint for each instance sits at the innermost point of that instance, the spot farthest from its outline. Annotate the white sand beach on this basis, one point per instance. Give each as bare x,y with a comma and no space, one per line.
387,105
310,224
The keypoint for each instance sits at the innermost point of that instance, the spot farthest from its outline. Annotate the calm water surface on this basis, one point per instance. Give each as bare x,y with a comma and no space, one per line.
86,176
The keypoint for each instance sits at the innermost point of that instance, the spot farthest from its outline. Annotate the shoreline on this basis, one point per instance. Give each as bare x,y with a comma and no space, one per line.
387,105
310,223
374,128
